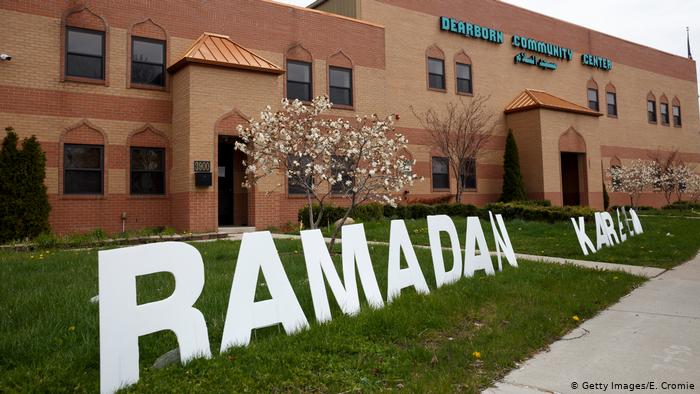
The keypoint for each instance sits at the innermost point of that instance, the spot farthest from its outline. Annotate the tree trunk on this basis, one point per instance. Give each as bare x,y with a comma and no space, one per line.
312,223
342,222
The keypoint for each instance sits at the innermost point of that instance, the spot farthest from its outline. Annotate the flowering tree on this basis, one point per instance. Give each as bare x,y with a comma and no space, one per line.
371,164
298,142
693,188
360,161
632,179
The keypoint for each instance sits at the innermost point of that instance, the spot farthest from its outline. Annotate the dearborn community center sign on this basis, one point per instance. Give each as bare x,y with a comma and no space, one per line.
123,320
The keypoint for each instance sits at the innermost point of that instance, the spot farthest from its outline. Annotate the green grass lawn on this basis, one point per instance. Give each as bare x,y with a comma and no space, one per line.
666,242
49,330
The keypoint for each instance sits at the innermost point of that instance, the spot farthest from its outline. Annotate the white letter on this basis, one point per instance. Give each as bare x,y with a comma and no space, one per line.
401,278
601,233
502,241
635,222
610,228
355,250
472,262
122,321
258,253
436,224
621,228
583,239
318,263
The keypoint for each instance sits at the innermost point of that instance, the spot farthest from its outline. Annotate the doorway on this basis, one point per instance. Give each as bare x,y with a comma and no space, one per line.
233,197
572,182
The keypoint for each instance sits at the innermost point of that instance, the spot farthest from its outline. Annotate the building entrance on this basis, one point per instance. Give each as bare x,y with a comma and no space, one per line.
233,197
572,182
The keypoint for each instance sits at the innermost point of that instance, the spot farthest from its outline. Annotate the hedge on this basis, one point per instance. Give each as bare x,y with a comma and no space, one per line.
539,210
683,205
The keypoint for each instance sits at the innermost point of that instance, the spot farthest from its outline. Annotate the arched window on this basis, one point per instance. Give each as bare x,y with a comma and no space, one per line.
464,74
340,80
651,108
592,93
676,112
84,46
299,73
664,111
148,55
611,100
435,59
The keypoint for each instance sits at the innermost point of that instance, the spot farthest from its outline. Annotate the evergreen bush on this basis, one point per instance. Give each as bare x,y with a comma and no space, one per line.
24,203
513,186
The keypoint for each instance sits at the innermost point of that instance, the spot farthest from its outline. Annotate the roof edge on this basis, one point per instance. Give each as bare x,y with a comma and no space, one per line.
188,60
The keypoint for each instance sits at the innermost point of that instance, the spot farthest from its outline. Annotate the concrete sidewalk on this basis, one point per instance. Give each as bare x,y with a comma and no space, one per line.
651,335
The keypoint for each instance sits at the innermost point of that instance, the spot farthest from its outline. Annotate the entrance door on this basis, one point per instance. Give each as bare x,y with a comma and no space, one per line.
570,178
225,182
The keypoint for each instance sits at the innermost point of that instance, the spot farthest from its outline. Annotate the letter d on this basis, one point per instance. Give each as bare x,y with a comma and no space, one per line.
122,320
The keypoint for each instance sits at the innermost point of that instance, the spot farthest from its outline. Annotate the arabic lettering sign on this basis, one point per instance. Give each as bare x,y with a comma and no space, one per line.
471,30
532,60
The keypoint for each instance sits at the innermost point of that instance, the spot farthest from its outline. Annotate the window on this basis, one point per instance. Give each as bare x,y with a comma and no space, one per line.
612,103
298,80
664,113
651,111
343,166
468,175
147,171
464,78
436,74
147,61
593,99
441,173
85,53
295,184
615,180
82,169
677,115
340,86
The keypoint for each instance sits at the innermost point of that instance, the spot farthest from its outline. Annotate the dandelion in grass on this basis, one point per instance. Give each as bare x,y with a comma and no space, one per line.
477,355
576,318
71,328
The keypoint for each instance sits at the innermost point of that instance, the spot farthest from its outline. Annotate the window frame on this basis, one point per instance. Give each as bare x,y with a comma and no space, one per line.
471,79
350,89
66,54
597,99
655,120
444,83
310,83
677,122
132,61
666,122
162,172
66,170
613,113
335,163
463,179
291,183
432,174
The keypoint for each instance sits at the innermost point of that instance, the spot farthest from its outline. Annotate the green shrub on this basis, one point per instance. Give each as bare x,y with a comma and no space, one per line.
367,212
683,206
330,214
537,213
606,197
513,186
461,210
24,203
537,203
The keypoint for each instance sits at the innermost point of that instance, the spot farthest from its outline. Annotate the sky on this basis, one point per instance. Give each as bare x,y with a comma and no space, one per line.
654,23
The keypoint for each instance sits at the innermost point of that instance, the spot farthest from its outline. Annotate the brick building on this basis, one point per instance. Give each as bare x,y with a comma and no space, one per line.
129,98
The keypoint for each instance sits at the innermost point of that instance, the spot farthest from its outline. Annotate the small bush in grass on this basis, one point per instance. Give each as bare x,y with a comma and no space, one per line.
537,213
368,212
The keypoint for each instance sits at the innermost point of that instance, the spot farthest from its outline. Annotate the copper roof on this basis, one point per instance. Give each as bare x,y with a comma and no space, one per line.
219,50
535,99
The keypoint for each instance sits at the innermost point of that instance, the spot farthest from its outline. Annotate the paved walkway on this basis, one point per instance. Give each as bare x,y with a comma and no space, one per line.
651,335
648,272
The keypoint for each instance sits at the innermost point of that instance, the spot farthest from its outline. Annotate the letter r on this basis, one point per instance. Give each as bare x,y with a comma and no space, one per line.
122,320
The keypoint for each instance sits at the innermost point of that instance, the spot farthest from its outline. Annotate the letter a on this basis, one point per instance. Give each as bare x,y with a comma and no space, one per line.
122,320
583,239
437,224
258,253
401,278
635,222
472,262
